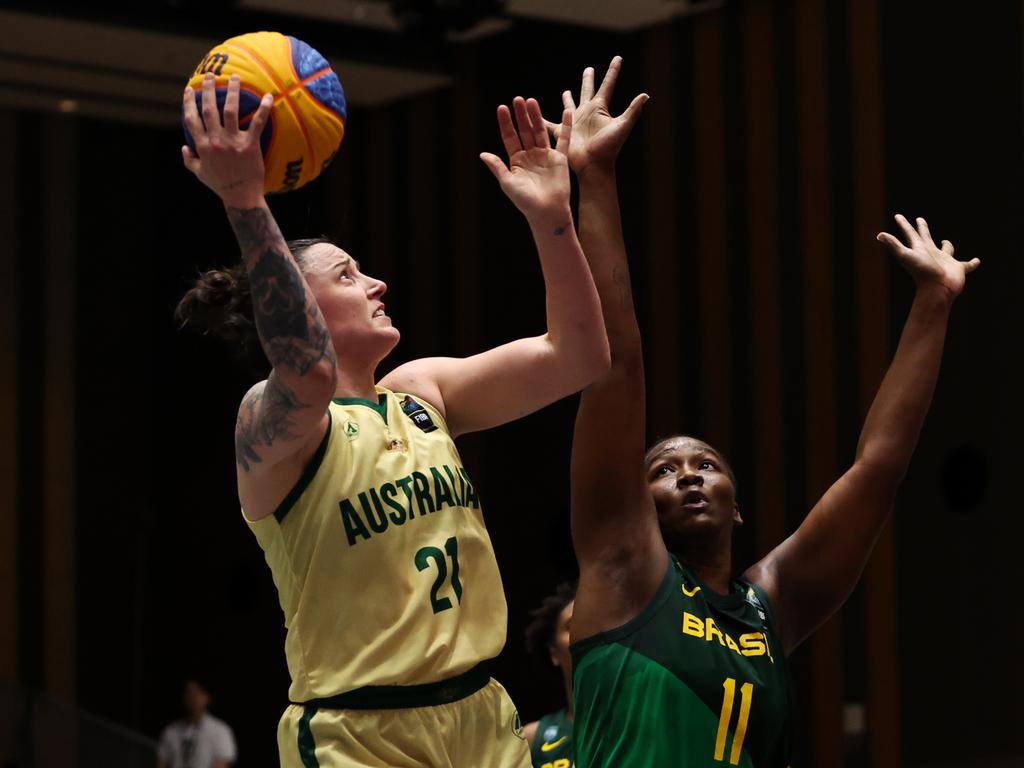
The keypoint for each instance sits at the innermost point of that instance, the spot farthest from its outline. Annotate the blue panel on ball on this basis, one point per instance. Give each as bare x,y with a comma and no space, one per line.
305,59
326,89
247,105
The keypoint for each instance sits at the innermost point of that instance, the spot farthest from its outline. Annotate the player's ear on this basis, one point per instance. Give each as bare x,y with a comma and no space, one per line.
737,518
553,656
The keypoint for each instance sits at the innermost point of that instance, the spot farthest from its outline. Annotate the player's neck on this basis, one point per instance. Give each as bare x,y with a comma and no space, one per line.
715,570
355,384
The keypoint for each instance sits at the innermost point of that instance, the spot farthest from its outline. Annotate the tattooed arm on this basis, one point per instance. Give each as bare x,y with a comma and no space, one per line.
278,416
281,417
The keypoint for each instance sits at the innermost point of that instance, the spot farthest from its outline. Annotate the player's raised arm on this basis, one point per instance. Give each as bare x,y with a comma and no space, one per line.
517,378
812,572
614,526
277,417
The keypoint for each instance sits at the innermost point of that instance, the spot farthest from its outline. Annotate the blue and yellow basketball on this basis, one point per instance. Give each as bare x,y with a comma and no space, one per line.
307,121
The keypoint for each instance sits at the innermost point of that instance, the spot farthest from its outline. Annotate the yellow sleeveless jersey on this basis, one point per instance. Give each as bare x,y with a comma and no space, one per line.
381,559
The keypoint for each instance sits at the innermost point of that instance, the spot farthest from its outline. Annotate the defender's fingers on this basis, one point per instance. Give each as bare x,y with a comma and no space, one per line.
923,231
610,77
567,102
565,132
190,113
633,110
509,137
262,114
587,86
947,248
540,134
973,264
210,117
892,242
523,123
494,165
908,231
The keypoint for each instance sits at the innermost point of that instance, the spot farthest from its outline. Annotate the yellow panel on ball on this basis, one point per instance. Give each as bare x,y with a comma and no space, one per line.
307,122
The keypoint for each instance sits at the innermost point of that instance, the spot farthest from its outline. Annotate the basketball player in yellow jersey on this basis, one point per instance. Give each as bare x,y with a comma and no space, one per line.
355,490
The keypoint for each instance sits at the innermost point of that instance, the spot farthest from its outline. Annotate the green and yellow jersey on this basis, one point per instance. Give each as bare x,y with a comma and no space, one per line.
383,566
552,743
697,679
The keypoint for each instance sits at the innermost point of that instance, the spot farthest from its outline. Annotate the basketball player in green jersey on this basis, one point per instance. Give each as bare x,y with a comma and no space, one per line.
354,489
550,738
676,661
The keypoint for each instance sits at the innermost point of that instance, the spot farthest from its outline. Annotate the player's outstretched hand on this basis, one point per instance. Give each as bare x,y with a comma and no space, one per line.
931,266
536,178
227,158
597,137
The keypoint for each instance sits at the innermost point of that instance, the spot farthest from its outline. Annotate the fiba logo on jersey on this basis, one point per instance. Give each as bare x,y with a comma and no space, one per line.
418,414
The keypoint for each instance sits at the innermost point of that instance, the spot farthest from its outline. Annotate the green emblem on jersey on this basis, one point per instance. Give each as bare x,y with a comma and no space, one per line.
351,430
517,725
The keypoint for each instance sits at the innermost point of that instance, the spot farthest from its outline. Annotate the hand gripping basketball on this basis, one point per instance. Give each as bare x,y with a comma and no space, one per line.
226,158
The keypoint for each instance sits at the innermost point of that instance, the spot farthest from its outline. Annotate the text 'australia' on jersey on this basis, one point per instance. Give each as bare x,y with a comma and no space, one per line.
383,566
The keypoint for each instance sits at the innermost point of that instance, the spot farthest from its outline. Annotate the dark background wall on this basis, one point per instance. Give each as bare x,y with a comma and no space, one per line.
779,139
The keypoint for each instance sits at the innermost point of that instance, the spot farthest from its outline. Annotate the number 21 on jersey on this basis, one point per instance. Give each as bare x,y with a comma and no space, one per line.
426,555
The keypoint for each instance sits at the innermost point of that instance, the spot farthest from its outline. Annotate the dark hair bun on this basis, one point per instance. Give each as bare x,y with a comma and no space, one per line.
220,305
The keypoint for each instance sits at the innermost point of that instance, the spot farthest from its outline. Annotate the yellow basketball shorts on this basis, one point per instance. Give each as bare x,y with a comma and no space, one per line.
482,730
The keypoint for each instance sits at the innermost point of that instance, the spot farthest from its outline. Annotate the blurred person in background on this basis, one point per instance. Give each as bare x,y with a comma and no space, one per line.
197,740
547,637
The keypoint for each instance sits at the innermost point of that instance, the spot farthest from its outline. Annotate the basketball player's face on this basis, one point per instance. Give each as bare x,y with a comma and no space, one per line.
692,490
352,304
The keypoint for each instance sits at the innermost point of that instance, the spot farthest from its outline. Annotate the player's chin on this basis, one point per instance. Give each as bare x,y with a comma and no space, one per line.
390,336
681,524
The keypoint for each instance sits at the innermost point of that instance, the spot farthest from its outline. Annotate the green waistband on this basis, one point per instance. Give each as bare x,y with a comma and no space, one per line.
407,696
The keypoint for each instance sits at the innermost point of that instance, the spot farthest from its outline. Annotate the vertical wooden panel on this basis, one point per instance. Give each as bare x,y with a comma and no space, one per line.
8,402
59,526
819,342
714,298
424,267
378,174
468,316
883,705
466,209
662,238
763,221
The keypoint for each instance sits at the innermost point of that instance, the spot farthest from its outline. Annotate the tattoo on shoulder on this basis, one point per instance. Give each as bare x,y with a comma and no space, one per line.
265,416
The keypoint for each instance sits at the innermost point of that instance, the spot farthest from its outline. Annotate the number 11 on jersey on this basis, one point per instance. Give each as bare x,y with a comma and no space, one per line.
746,693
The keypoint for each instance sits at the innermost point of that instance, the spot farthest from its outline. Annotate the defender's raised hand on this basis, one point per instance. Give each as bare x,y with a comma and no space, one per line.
226,158
597,136
536,178
927,263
